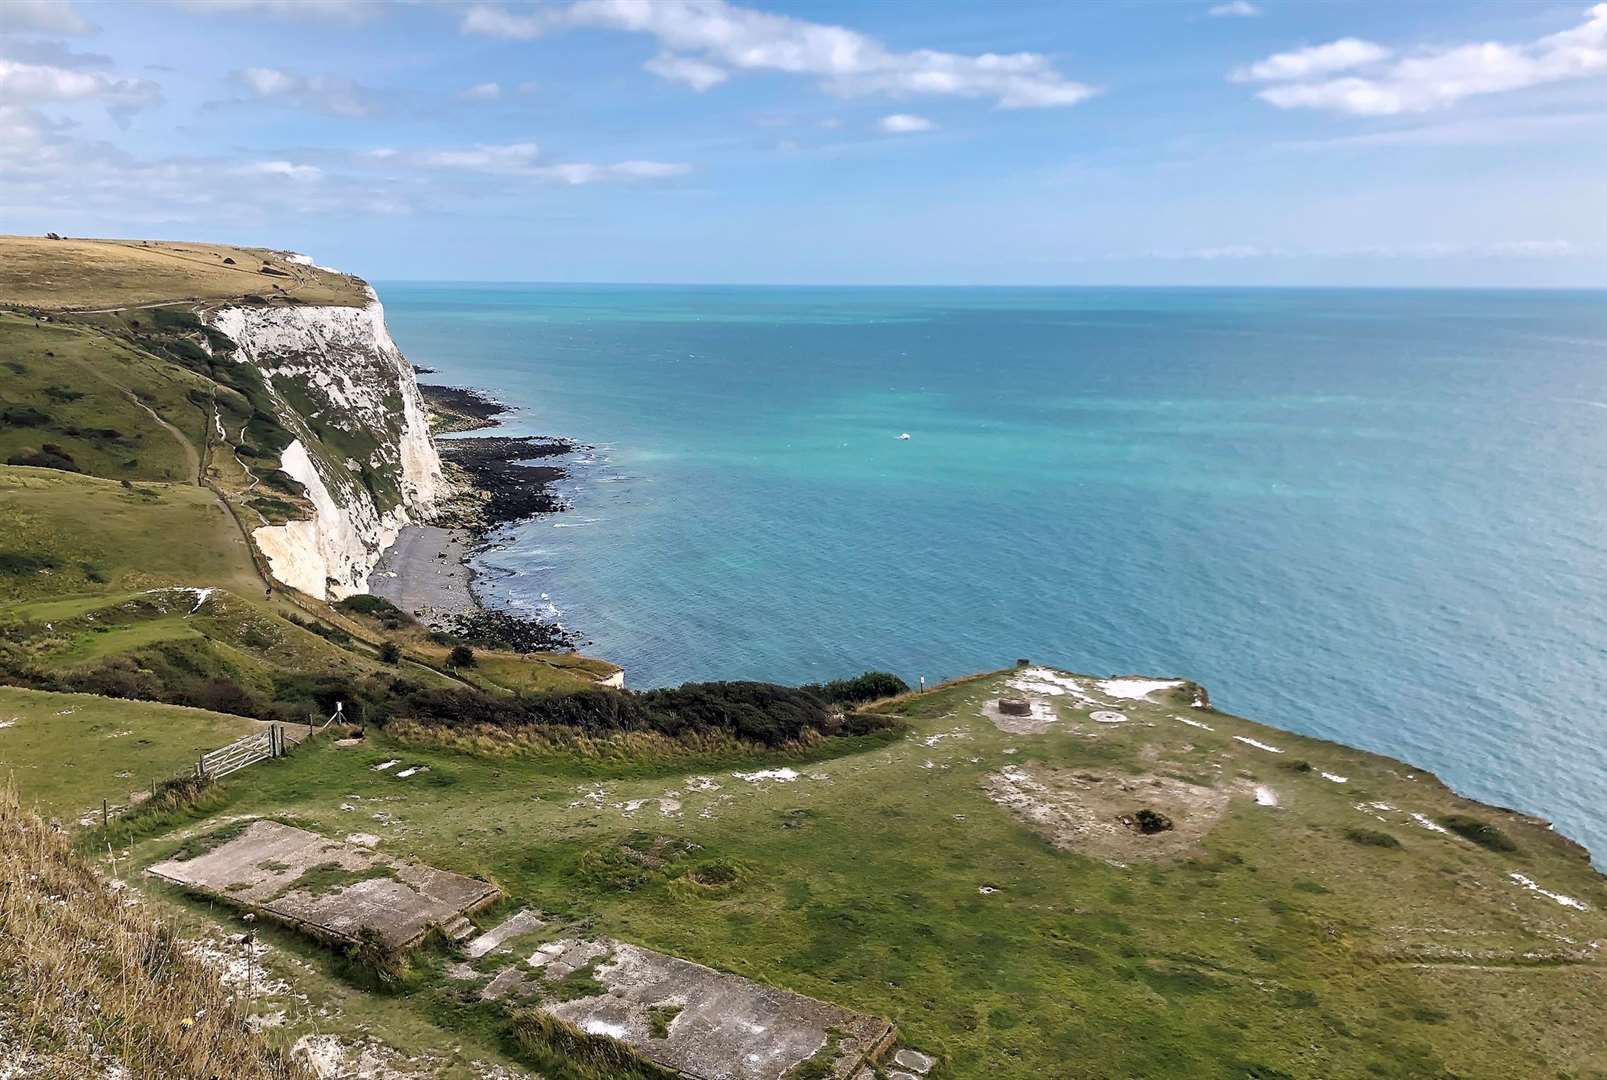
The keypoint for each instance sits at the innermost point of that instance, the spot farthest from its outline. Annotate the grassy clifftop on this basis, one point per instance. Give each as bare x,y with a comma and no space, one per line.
81,274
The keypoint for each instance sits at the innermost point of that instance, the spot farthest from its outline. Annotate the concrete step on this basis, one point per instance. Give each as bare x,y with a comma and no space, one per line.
459,930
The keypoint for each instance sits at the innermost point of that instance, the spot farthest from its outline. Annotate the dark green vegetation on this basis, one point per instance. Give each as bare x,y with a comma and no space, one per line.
1480,832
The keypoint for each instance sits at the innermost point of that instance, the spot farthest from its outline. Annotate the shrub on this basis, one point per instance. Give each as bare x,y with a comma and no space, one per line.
861,688
390,652
460,656
1371,838
372,964
368,605
22,416
50,456
17,563
1481,833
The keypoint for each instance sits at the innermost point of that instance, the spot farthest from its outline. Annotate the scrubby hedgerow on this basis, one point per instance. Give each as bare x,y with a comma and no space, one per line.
92,986
860,689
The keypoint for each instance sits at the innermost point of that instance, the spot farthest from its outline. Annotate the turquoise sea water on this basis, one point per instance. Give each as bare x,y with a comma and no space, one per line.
1374,516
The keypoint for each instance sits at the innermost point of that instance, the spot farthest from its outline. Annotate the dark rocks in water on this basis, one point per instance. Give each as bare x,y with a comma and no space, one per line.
514,633
466,409
514,491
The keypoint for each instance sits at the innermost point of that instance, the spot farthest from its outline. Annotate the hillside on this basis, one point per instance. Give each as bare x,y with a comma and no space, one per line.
1025,873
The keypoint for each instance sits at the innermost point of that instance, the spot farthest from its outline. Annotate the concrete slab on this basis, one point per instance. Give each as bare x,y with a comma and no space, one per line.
727,1027
914,1061
327,887
521,922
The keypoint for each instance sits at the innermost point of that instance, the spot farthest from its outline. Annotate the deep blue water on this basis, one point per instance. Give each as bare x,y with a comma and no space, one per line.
1374,516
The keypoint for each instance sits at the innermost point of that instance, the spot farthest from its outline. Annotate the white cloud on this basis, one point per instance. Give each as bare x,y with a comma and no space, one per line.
726,37
43,17
321,93
697,74
23,83
1428,79
1234,9
524,160
903,124
486,91
1338,55
288,170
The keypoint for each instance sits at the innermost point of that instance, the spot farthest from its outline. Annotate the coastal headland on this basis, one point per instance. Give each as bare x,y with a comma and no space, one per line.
1027,872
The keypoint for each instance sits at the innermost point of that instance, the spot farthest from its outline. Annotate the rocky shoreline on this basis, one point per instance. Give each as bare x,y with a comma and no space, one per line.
429,571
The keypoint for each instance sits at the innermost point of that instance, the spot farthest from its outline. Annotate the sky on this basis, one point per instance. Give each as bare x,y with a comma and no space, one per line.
1201,142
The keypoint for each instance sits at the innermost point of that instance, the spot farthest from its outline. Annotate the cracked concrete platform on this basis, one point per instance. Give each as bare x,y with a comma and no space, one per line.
728,1027
259,870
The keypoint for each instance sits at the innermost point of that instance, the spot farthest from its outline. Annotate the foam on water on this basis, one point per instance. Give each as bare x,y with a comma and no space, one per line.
1371,516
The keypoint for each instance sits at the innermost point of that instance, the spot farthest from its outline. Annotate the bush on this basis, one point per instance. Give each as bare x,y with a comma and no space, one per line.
1371,838
460,656
50,456
375,607
390,652
861,688
23,416
1481,833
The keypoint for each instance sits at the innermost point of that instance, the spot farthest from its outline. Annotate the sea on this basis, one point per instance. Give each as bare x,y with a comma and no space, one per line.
1374,516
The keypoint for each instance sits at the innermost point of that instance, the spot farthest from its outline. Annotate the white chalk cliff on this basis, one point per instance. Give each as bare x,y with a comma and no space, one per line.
362,446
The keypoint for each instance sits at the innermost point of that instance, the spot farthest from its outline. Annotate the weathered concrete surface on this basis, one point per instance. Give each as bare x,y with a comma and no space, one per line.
260,870
520,922
729,1028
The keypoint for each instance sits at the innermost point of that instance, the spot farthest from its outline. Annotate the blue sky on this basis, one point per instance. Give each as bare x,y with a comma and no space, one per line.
1209,142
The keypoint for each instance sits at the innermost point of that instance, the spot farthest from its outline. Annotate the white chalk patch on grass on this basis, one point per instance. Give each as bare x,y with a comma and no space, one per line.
1265,796
1105,716
362,839
391,764
1386,807
702,783
8,723
1429,824
603,1027
1534,887
1045,681
1258,745
1333,778
1134,689
784,776
412,771
1195,723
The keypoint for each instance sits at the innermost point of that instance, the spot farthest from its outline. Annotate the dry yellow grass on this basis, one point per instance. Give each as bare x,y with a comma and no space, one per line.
89,982
82,275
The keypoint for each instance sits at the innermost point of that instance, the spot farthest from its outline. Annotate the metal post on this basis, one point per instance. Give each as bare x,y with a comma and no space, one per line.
105,815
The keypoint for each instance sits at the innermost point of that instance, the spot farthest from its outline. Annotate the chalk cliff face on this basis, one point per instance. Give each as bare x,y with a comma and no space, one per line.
361,448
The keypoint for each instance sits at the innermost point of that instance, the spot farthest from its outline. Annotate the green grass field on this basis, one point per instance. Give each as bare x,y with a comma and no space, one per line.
67,752
886,880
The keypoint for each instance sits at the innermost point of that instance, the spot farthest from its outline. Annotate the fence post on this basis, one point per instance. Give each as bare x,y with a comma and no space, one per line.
105,815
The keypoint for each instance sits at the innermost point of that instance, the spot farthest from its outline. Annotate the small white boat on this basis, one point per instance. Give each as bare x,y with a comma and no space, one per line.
904,437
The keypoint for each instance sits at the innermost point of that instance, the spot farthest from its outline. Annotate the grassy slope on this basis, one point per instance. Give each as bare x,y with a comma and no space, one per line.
92,986
152,534
67,752
79,274
1281,949
85,385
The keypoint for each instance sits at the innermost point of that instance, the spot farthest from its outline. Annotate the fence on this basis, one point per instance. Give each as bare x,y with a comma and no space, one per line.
237,755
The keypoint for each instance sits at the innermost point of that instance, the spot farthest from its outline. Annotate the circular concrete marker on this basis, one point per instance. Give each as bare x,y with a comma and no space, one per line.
914,1060
1105,716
